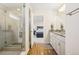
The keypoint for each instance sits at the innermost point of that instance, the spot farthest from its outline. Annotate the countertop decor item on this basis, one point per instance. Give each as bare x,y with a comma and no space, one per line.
52,28
62,28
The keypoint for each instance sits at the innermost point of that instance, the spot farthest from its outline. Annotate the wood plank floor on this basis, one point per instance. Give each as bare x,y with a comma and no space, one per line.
41,49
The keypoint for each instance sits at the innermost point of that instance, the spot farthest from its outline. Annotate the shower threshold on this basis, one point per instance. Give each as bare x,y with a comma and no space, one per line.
10,52
13,47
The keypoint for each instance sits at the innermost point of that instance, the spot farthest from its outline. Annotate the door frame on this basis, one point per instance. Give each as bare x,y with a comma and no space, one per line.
30,29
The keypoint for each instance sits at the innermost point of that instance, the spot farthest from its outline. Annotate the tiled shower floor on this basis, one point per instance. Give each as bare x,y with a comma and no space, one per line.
10,52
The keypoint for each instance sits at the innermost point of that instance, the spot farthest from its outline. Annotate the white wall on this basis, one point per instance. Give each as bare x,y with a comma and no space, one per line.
59,19
48,17
72,30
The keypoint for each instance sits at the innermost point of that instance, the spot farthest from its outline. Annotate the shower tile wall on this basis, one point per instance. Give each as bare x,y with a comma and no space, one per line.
1,40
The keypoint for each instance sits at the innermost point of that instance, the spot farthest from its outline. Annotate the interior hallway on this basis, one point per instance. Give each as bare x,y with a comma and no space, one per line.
42,49
44,21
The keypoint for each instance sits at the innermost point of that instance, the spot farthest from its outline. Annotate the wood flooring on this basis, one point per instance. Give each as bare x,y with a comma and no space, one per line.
42,49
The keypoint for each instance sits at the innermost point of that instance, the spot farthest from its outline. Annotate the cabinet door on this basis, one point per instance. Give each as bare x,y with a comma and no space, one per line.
58,43
62,47
52,40
58,46
50,37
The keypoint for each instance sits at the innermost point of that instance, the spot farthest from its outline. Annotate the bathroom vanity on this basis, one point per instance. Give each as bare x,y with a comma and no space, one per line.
57,40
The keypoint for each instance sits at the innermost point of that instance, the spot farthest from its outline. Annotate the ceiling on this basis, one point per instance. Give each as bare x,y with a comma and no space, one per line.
35,6
10,6
45,6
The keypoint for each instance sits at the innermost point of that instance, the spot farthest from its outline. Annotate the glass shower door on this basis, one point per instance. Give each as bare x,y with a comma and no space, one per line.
12,26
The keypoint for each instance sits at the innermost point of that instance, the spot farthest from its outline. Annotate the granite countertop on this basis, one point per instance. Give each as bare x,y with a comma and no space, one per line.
59,33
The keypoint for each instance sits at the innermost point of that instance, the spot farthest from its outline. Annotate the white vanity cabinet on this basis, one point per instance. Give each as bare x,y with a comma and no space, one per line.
58,43
62,47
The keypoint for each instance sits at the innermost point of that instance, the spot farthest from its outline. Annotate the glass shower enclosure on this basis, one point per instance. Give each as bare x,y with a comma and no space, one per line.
12,27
